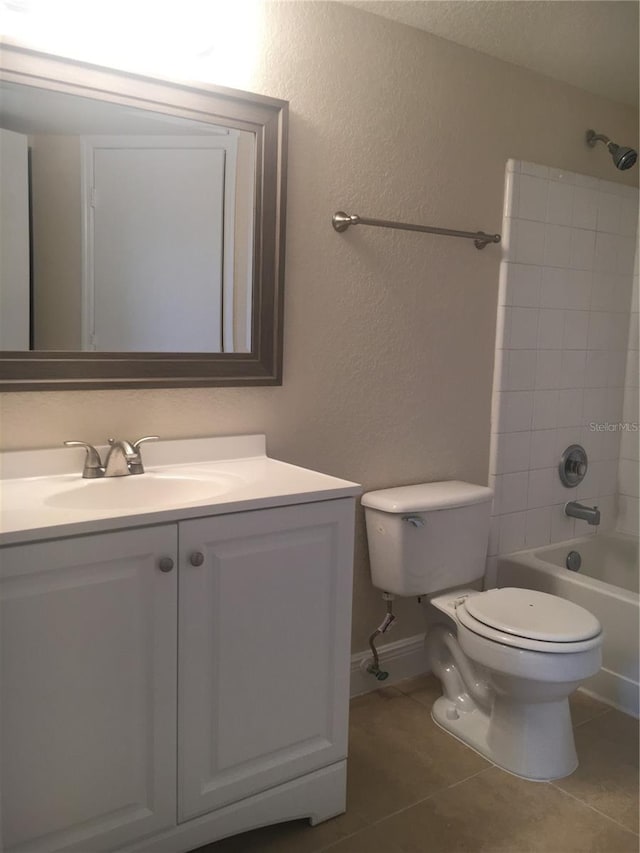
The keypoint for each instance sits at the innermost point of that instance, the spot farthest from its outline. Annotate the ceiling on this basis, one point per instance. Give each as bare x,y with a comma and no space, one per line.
592,44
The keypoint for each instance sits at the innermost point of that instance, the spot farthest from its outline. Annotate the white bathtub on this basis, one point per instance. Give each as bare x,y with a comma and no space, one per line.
607,585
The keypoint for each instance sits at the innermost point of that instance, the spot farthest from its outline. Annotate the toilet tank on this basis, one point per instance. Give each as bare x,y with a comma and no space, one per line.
428,537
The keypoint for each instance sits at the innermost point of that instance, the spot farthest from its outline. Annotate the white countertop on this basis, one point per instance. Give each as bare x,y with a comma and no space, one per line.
43,494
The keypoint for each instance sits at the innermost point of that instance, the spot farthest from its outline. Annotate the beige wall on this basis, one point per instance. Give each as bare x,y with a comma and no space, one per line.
389,336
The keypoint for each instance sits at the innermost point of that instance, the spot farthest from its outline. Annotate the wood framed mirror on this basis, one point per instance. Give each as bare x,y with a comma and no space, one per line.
142,241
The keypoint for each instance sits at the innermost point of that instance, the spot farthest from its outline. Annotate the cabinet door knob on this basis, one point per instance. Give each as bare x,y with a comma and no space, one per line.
165,564
197,558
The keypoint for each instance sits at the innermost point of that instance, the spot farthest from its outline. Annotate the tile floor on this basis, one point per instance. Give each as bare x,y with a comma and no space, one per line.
414,789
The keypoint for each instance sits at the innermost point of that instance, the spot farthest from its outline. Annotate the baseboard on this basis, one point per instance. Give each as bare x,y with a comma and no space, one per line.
615,690
402,659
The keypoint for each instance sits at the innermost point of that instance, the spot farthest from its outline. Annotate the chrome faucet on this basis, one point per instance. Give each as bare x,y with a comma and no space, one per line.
123,458
590,514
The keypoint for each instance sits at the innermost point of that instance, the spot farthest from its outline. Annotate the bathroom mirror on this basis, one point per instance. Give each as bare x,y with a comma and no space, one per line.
142,229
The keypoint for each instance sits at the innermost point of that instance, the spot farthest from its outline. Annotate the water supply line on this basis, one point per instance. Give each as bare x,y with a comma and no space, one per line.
389,620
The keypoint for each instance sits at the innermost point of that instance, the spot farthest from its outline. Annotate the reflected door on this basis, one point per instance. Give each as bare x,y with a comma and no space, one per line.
156,214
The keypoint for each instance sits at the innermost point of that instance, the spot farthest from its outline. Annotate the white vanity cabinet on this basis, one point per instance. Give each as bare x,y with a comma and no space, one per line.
165,686
263,676
88,632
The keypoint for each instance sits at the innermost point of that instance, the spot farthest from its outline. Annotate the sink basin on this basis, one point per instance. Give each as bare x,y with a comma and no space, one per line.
141,491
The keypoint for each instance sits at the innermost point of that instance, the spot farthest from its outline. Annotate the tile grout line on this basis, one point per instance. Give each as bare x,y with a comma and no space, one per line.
594,809
597,716
403,809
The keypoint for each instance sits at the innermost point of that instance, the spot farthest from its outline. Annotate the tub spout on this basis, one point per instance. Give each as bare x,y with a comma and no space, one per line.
590,514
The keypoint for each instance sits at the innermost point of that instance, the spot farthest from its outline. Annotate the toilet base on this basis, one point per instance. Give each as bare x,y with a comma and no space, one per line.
532,741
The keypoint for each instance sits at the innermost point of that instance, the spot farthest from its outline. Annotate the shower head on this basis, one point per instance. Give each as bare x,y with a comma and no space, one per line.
623,157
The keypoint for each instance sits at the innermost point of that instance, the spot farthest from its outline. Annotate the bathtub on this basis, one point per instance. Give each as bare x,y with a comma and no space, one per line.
607,585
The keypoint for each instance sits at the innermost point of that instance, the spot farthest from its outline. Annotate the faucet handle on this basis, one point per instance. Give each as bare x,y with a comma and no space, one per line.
135,466
93,464
137,443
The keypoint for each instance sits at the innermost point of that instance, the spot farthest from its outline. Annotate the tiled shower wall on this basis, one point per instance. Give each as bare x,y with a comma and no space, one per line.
561,352
628,470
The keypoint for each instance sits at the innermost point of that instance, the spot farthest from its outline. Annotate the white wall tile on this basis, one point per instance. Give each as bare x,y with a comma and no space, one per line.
596,369
562,526
523,285
602,291
557,246
560,203
549,368
573,368
540,487
608,213
543,449
534,169
629,217
527,241
551,327
512,452
582,249
511,187
606,253
594,405
600,330
578,289
629,514
522,329
570,356
553,287
494,536
616,369
513,411
532,198
545,409
511,492
576,327
512,532
520,367
625,255
569,410
584,210
538,527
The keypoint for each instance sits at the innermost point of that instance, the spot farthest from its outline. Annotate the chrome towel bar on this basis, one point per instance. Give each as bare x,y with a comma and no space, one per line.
341,221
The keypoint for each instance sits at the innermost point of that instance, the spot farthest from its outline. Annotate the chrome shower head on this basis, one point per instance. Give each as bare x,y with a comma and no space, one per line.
623,157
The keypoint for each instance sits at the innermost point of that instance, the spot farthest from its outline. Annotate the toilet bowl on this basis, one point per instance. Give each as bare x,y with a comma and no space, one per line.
507,658
505,692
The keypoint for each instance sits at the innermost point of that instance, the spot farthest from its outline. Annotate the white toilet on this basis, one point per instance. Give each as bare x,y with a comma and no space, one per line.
507,658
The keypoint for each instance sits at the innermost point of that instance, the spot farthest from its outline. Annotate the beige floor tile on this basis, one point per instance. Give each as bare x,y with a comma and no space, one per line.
397,755
607,777
292,837
423,688
495,813
585,707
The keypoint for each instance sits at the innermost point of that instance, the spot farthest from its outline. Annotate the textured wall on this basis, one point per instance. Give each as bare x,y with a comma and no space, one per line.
389,336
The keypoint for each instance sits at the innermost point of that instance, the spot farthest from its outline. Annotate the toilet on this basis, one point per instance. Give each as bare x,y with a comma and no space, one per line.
507,658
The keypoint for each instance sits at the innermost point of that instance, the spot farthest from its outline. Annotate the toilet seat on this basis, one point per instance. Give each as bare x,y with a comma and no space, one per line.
531,620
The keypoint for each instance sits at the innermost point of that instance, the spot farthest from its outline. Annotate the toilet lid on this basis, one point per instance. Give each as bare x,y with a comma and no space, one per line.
532,615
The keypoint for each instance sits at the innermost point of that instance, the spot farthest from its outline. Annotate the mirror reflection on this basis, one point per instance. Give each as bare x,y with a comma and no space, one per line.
122,230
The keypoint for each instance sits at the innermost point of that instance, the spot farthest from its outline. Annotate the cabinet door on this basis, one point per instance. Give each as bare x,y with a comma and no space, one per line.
88,720
264,638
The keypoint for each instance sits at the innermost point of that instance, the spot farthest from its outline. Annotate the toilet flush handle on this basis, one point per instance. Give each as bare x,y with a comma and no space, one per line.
414,520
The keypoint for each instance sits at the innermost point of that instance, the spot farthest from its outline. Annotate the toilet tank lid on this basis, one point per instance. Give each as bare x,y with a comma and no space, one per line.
424,497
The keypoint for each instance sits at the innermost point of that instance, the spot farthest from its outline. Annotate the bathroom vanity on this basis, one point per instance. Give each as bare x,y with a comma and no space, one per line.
175,647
